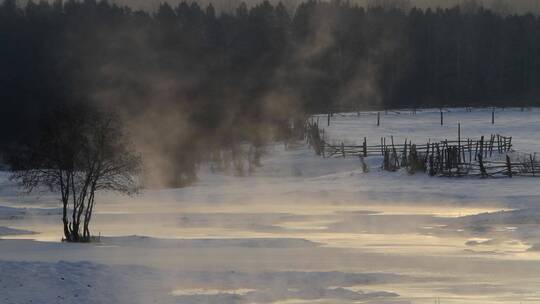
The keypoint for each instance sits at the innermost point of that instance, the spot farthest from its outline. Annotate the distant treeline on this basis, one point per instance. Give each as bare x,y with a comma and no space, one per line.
191,78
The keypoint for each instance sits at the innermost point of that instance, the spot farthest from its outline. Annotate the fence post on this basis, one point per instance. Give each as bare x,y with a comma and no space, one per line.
493,116
482,145
404,157
394,150
509,166
385,160
491,145
365,147
431,166
323,143
329,119
469,145
532,164
378,119
427,152
459,134
481,163
442,120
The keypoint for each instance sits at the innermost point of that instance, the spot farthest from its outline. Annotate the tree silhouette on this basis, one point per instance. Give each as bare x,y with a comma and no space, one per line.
81,151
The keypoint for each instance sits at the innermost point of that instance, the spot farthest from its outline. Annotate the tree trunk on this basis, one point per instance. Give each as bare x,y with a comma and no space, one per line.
67,233
88,214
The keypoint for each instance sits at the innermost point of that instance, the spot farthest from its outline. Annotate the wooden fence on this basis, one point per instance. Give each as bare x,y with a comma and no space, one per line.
491,156
468,149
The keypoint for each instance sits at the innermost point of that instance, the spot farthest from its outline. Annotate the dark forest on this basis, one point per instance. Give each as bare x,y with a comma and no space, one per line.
186,78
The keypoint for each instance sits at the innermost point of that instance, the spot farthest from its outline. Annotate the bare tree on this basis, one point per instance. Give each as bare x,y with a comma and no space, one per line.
80,151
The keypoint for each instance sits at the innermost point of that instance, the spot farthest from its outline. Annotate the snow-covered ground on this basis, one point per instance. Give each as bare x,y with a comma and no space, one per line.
301,229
